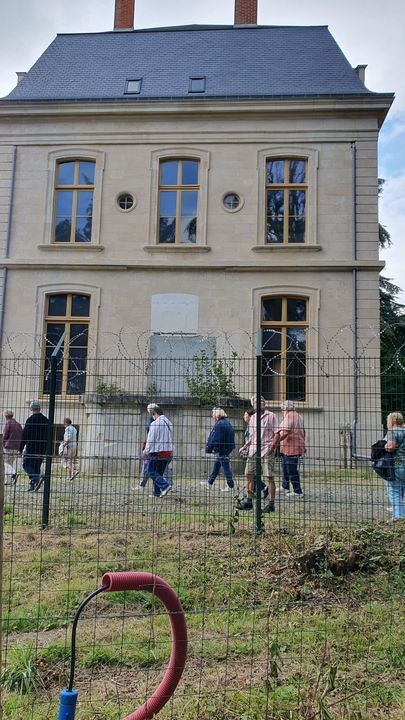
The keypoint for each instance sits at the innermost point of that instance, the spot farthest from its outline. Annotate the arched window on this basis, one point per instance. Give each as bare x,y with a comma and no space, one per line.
67,313
74,190
284,323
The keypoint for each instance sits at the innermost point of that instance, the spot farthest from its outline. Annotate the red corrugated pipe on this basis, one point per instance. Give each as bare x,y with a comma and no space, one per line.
111,582
155,585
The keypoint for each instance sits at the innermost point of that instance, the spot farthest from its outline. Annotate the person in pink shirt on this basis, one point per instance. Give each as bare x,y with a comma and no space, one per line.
268,431
291,436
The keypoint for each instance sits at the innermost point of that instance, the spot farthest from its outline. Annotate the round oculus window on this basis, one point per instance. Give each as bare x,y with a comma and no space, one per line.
232,201
125,201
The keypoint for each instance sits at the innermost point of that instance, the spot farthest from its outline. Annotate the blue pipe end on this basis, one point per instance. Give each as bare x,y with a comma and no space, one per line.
67,704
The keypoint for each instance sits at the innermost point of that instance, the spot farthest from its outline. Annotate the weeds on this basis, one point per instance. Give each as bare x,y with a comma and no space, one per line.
21,674
274,632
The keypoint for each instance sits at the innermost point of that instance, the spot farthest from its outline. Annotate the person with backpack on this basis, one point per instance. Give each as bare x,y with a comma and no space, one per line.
395,443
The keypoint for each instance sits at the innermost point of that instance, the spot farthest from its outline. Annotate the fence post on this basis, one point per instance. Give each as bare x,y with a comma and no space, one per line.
1,546
49,436
258,483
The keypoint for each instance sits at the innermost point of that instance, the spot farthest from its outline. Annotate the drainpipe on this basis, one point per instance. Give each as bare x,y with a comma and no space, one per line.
7,248
354,304
10,207
3,305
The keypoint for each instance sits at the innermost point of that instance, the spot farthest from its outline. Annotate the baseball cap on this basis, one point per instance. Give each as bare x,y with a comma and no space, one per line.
35,405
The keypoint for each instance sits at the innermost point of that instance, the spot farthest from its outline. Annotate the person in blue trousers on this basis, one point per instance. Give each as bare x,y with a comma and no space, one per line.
168,473
159,449
221,442
33,440
395,444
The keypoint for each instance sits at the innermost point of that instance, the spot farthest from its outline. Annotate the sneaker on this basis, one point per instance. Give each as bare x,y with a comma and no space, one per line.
269,507
226,489
292,493
165,491
31,488
205,483
138,487
246,504
282,489
74,475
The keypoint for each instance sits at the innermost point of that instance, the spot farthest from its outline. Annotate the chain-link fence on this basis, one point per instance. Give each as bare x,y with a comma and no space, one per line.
292,613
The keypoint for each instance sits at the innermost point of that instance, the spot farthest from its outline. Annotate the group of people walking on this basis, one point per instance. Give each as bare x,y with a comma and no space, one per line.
30,441
286,438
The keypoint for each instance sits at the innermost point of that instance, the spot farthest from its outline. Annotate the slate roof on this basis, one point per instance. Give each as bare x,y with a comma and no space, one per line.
237,62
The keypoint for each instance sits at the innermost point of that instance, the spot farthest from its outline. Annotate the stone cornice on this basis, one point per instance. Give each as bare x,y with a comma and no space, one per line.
31,136
164,265
377,103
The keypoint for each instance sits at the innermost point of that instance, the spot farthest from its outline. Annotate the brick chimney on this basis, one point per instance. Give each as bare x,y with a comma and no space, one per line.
124,14
245,12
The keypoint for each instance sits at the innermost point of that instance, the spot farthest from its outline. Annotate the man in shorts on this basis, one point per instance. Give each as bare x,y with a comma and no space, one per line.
269,426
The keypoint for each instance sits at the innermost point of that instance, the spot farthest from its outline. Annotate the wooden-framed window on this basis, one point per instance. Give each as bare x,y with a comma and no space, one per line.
286,201
74,193
178,201
284,323
68,312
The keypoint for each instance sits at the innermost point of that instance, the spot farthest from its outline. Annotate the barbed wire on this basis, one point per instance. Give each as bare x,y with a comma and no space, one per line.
135,348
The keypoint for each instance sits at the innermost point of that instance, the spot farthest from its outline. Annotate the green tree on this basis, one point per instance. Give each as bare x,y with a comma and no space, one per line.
392,320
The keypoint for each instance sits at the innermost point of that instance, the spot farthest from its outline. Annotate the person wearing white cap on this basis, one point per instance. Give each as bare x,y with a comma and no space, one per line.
291,434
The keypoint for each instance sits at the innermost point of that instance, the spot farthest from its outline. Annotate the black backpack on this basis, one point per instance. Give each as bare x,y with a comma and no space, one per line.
382,461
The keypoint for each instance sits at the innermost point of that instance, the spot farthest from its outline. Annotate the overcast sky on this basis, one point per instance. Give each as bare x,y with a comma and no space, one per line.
368,31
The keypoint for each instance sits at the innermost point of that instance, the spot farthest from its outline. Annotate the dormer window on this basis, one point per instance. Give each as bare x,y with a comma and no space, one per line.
133,87
196,85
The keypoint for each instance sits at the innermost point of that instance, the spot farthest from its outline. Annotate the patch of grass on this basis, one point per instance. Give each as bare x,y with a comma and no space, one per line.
260,612
54,653
32,620
21,674
73,520
101,656
8,513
